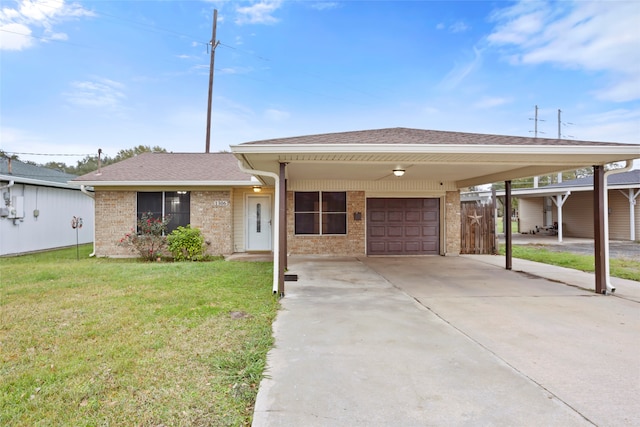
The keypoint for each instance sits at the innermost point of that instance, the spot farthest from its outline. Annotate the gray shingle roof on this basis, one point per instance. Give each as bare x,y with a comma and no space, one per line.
33,172
624,178
174,167
421,136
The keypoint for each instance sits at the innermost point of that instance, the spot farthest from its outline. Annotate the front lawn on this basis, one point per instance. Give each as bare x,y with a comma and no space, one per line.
622,268
124,342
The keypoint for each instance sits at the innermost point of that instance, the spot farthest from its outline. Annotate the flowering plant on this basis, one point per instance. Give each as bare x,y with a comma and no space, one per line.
149,239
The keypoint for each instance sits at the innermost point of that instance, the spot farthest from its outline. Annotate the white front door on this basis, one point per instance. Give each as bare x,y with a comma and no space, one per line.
258,223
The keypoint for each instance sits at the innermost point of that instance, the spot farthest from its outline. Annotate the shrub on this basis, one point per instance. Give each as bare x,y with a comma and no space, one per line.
186,244
149,239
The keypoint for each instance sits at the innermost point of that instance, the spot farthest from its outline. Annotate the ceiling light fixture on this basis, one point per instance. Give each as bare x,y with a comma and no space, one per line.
398,172
257,189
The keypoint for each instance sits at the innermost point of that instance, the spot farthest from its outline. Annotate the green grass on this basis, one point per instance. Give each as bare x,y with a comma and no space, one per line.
622,268
122,342
514,225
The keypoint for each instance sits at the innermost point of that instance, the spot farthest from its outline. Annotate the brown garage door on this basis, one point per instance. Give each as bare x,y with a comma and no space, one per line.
403,226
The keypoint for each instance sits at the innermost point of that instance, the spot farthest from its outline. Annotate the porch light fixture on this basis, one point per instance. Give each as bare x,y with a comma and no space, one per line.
398,172
257,189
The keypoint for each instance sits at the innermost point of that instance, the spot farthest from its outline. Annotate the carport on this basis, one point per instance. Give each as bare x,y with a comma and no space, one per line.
413,163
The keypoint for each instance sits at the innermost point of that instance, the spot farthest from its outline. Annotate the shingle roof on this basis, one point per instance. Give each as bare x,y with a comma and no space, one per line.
174,167
32,172
624,178
420,136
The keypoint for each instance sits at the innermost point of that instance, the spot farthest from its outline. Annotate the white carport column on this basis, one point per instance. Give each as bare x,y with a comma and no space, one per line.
609,287
559,200
632,196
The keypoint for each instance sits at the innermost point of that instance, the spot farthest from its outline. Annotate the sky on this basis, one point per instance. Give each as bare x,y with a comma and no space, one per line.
78,76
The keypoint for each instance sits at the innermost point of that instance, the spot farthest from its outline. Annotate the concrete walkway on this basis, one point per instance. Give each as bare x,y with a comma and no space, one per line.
432,341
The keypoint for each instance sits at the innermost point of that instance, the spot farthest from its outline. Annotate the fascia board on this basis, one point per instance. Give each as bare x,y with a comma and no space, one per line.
168,183
39,182
632,150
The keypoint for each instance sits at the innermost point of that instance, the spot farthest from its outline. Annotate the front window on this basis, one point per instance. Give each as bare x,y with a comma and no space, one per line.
320,212
161,204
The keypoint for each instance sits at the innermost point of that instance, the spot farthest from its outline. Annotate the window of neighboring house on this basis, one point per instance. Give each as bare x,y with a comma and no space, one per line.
174,204
320,212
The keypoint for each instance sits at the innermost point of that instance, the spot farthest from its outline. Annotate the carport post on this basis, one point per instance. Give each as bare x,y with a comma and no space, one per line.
598,228
506,223
282,230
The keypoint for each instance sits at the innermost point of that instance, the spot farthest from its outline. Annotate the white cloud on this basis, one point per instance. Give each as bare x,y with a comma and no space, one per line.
325,5
258,13
593,36
461,71
276,115
15,37
100,93
490,102
18,23
620,125
458,27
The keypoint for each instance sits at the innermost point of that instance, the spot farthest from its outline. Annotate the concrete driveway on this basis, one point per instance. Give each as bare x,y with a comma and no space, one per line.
432,341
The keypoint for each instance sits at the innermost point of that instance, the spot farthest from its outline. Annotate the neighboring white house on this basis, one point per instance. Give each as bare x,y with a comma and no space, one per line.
37,206
539,208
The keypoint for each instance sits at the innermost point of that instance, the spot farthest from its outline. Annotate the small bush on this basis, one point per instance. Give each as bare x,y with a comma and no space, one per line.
186,244
148,240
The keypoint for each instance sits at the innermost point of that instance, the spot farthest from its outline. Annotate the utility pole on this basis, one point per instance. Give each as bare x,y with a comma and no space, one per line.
535,132
214,43
559,124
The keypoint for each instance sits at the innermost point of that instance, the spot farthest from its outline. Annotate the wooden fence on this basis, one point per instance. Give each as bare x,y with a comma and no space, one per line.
478,235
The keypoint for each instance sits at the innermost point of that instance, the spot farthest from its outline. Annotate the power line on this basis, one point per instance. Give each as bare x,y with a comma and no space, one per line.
47,154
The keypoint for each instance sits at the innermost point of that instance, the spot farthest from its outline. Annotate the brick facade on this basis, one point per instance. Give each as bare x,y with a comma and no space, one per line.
212,213
350,244
452,223
115,215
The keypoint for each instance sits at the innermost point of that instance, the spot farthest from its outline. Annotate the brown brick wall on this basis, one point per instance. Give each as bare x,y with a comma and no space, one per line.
452,223
351,244
212,213
115,215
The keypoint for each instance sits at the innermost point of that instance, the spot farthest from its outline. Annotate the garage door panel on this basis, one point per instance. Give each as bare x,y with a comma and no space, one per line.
429,231
394,231
377,216
403,226
376,248
376,231
395,246
412,231
396,216
429,216
413,216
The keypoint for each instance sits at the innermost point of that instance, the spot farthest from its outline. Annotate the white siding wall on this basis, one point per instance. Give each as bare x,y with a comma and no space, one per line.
619,227
577,215
52,227
531,213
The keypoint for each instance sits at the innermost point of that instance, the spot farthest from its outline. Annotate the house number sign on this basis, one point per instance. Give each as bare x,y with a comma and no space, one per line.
220,203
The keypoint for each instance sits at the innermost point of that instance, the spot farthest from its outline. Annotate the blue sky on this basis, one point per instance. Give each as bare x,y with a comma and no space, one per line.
81,75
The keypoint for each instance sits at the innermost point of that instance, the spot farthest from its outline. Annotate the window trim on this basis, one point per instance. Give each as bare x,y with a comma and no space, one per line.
321,214
163,204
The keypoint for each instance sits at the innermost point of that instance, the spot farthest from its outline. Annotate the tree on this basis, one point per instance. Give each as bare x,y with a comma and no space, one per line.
131,152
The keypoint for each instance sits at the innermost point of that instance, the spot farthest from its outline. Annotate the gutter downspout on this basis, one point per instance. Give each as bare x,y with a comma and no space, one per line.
10,184
626,168
83,189
276,227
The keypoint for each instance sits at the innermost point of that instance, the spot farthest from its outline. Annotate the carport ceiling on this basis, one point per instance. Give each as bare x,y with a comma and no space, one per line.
461,158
